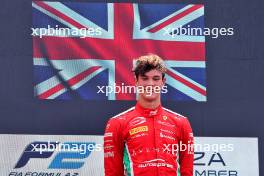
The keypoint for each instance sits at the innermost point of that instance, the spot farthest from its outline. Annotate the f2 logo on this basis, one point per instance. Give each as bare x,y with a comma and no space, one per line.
37,150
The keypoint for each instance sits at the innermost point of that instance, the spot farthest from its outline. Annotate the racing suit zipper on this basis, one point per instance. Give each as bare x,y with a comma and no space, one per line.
155,142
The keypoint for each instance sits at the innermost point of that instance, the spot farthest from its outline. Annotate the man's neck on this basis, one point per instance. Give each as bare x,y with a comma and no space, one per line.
149,104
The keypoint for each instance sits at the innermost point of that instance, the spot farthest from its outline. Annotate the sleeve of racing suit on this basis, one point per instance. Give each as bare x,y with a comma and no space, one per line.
113,149
186,156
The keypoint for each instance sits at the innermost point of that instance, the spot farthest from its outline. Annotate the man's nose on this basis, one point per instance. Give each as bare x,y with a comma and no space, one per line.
150,83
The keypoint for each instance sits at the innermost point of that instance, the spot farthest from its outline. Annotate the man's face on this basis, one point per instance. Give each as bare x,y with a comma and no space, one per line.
150,84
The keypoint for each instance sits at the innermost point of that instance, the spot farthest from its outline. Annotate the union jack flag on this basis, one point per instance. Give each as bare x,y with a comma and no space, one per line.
70,66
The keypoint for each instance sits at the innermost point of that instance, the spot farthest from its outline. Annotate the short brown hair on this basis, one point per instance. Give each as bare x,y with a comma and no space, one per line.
149,62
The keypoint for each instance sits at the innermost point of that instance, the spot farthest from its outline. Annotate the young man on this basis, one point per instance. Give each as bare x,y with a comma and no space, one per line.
148,140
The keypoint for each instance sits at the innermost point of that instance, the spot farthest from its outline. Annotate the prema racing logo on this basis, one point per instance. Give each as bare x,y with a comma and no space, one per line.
64,156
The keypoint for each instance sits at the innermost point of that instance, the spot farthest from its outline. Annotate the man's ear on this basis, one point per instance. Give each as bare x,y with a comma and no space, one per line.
164,80
136,80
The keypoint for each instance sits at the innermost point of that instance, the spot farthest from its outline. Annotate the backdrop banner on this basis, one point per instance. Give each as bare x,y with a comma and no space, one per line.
82,155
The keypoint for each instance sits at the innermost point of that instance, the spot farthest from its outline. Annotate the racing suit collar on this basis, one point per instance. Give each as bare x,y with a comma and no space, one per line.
147,112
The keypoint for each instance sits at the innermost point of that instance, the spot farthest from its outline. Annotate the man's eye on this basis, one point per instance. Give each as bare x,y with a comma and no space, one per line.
156,79
144,78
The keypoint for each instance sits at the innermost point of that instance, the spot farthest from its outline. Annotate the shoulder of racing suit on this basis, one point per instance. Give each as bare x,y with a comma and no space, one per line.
179,120
120,119
172,113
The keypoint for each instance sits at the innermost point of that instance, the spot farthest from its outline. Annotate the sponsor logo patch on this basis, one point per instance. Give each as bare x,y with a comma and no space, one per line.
166,123
108,135
165,117
137,121
138,130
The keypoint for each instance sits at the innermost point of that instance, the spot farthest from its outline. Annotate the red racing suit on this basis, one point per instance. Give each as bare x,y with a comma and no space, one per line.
148,142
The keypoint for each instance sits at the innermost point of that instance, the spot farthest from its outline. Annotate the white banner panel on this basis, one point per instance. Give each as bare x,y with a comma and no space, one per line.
226,156
27,155
20,155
